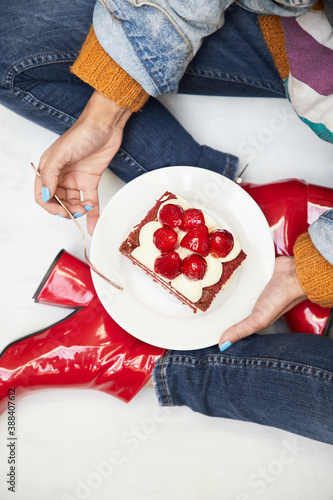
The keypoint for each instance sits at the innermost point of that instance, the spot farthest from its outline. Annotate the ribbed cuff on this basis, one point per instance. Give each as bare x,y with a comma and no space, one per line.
314,272
273,34
95,67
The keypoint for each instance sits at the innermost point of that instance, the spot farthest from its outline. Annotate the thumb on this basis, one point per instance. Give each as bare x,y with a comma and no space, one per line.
49,177
244,328
50,166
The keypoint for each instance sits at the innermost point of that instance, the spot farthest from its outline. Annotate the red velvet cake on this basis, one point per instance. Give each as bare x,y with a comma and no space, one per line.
184,250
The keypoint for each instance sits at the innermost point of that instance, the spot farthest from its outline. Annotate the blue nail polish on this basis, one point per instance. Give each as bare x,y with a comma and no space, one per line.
46,194
58,215
88,208
77,214
225,345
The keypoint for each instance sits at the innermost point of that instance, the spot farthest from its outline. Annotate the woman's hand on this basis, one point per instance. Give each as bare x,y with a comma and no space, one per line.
281,294
75,162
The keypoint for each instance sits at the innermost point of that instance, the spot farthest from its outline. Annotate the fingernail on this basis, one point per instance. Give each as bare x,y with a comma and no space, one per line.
88,208
225,345
77,214
46,194
58,215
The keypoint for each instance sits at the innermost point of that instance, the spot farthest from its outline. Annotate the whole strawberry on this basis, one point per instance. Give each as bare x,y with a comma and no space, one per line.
171,215
221,243
168,265
165,239
194,267
192,218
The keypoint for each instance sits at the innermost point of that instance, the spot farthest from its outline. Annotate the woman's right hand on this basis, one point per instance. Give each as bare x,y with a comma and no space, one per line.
75,162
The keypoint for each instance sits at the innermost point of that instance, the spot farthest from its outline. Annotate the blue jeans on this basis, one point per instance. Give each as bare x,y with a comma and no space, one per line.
278,380
258,378
40,40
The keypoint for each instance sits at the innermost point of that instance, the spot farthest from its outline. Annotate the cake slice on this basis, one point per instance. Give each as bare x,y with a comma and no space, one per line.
184,250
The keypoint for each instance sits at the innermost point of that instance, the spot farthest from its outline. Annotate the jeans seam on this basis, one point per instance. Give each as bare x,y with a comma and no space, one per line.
36,61
131,161
163,379
233,77
45,108
27,97
230,361
228,166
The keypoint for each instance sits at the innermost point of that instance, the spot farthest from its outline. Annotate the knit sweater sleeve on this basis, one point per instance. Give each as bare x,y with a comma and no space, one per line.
302,51
315,273
95,67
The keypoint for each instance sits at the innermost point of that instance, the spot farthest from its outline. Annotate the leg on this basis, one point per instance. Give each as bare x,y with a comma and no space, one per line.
281,380
234,61
41,40
36,83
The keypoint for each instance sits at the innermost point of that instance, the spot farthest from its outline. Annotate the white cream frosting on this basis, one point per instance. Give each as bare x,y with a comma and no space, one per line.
146,253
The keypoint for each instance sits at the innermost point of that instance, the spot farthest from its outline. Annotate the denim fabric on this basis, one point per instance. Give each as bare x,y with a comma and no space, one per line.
280,380
234,61
154,41
321,234
278,7
41,42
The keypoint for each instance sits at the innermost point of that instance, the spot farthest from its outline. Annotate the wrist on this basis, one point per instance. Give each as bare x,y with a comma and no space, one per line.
285,271
298,291
105,112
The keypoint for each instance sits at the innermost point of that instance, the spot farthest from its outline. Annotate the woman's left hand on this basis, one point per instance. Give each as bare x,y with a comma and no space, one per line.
281,294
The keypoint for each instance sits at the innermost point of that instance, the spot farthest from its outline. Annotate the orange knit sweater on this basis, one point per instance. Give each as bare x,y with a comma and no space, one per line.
95,67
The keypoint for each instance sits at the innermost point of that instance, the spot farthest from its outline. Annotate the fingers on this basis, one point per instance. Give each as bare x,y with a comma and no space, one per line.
71,199
282,293
92,218
51,206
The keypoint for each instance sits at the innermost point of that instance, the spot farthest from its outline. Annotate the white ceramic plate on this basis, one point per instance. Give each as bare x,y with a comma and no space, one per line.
144,308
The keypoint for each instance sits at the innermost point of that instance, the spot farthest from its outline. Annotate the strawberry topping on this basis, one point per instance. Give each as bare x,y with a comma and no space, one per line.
197,240
171,215
192,218
168,265
165,239
221,243
194,267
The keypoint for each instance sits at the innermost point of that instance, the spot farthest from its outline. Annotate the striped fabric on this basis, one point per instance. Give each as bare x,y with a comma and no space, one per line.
309,85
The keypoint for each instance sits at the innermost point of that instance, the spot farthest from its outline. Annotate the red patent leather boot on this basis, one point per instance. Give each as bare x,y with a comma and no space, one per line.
87,349
290,206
